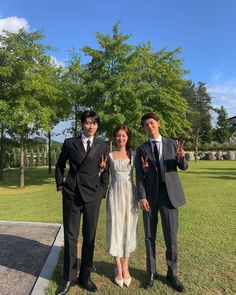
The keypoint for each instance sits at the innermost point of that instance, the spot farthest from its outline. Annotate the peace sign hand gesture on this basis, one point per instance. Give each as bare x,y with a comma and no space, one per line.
180,152
103,163
145,163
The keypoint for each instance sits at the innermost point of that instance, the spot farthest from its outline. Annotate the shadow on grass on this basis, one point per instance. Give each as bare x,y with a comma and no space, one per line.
220,169
107,270
33,176
228,174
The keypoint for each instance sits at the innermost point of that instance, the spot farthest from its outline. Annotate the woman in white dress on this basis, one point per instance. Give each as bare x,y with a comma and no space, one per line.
122,208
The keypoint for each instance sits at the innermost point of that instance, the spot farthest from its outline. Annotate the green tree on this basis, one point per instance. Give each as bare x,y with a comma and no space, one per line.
29,88
222,133
160,87
75,90
58,105
124,81
199,103
4,111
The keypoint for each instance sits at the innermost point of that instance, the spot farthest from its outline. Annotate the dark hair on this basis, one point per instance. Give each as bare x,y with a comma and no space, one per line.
147,116
127,130
89,113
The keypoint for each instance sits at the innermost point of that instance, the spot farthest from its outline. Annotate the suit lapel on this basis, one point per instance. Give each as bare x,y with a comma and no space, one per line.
94,147
164,148
149,153
80,147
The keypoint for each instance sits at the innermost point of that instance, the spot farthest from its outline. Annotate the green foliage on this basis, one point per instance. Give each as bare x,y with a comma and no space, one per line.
29,86
74,89
222,133
199,102
125,81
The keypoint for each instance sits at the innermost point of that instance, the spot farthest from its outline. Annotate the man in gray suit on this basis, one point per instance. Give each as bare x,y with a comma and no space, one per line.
159,190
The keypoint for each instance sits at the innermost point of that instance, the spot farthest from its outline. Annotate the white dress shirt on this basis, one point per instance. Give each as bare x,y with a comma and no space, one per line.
85,139
158,142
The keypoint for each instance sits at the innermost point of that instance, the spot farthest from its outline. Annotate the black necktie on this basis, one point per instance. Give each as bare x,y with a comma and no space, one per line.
156,154
88,146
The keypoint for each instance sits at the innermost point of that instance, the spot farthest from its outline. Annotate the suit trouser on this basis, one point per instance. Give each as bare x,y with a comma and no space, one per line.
169,219
73,208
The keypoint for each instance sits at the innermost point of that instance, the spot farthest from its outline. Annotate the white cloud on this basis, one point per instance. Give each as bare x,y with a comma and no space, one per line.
13,24
57,63
224,94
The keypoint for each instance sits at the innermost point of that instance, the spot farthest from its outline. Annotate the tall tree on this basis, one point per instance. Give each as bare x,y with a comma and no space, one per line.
5,74
160,86
124,81
199,102
110,80
29,88
75,90
222,133
58,104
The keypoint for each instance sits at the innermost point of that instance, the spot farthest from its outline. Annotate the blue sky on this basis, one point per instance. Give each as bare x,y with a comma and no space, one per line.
204,29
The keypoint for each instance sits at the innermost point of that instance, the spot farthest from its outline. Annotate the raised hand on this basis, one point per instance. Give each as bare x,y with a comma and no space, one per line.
145,163
180,152
103,163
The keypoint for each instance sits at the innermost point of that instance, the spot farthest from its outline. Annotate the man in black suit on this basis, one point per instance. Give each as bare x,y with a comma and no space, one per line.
82,192
159,190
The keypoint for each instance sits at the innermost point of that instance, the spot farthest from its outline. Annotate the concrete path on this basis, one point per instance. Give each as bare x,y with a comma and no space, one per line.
28,255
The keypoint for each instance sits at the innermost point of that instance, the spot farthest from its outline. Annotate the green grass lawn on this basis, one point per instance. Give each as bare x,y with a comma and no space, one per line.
206,238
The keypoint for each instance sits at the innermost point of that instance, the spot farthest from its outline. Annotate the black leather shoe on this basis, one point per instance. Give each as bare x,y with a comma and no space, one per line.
149,282
88,284
64,287
175,283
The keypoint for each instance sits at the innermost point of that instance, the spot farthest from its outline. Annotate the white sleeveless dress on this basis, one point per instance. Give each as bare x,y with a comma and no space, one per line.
122,209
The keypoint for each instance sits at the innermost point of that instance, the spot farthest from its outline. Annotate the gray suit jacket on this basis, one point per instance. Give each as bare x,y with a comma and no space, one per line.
147,182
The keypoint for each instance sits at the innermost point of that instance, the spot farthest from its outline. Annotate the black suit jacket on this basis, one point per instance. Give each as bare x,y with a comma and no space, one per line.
84,169
147,182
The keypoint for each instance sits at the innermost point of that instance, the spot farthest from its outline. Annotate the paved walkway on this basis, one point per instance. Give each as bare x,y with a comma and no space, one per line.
28,255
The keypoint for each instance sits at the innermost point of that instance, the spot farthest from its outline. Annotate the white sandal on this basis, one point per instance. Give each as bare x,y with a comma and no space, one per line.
117,281
128,280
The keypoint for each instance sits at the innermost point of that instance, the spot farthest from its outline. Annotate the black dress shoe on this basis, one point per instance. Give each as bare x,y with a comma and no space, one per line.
88,284
64,287
175,283
149,282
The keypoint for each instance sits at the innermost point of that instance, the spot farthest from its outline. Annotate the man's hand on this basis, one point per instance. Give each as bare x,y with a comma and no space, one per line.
144,205
103,162
180,153
145,164
60,188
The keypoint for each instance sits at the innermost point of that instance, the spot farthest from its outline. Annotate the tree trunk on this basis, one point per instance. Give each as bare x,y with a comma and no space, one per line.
111,146
22,172
1,153
49,153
